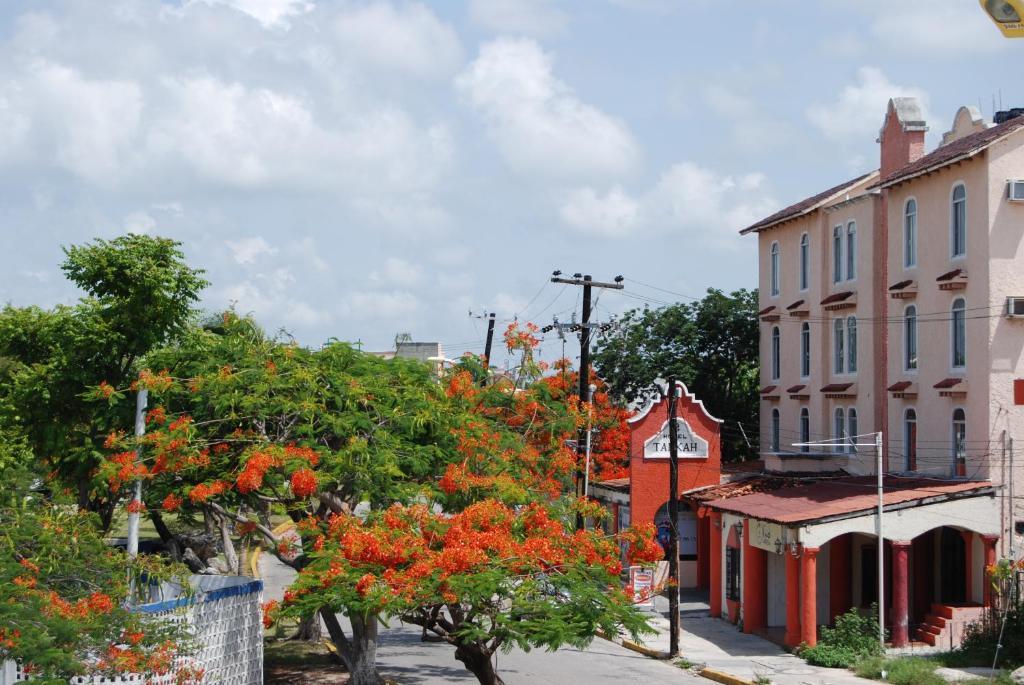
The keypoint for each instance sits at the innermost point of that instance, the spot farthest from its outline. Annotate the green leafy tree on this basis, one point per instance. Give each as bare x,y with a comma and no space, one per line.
139,293
711,345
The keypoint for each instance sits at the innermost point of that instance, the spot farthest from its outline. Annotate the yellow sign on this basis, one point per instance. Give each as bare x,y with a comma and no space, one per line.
767,536
1008,15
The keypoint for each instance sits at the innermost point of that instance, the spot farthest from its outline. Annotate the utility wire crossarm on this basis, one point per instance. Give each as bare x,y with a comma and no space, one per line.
877,444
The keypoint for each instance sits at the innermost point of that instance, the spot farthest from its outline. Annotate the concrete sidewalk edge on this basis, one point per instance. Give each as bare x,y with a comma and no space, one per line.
709,673
723,677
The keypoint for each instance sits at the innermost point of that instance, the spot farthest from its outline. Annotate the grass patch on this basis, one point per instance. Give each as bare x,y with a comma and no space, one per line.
915,671
684,663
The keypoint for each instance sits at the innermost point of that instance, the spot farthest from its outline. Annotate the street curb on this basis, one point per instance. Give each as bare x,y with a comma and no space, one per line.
254,560
723,677
629,644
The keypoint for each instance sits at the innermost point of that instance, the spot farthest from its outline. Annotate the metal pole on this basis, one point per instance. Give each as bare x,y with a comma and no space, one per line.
673,515
487,348
584,383
133,516
881,541
1013,504
590,415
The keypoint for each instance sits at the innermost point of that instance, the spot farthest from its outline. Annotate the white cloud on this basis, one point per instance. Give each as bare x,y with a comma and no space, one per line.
859,109
397,272
270,13
613,214
391,305
409,39
247,250
139,222
507,305
689,198
538,123
530,17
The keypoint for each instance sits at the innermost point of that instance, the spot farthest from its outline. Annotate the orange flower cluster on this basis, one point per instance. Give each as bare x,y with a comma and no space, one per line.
304,483
127,470
9,638
202,492
156,415
269,612
521,338
96,603
157,382
136,506
172,502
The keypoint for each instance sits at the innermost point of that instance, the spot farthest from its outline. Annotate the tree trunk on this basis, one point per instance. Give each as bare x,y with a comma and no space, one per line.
359,654
478,661
309,629
230,557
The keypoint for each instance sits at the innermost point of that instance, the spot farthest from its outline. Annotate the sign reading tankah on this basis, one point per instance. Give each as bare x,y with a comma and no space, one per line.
691,445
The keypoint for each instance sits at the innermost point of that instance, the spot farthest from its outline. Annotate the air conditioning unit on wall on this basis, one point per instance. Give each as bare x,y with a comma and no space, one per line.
1015,191
1015,307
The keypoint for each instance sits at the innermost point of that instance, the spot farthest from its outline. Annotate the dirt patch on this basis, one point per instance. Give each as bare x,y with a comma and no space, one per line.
287,662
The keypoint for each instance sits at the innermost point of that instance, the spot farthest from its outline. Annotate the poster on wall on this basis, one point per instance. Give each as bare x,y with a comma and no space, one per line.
641,582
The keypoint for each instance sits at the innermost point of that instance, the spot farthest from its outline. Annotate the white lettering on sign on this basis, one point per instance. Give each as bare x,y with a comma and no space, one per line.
691,445
766,536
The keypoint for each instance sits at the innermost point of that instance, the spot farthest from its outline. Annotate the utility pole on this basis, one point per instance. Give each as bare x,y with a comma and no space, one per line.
673,515
588,284
487,347
1013,507
133,516
881,540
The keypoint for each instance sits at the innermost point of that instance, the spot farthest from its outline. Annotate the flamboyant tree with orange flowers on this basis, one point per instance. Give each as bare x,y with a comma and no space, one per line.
243,427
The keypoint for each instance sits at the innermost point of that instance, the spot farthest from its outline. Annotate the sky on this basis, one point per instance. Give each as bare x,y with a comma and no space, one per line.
357,169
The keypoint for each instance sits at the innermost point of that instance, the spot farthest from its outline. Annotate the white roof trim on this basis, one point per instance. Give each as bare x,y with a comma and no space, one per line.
663,396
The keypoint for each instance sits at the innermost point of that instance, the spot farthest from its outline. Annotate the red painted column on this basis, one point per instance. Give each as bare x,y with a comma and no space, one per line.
809,600
754,584
715,566
900,593
968,537
840,587
703,549
792,638
990,560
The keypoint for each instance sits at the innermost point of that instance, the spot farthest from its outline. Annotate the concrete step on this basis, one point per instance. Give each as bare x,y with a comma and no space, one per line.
942,610
927,638
937,621
930,629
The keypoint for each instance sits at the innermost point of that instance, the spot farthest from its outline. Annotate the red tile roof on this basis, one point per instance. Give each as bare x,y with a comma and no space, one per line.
901,285
794,305
840,497
837,387
802,207
792,390
766,310
618,484
965,147
899,386
837,297
768,389
949,275
947,383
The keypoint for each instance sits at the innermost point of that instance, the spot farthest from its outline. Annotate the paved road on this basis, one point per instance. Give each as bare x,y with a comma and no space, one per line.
404,658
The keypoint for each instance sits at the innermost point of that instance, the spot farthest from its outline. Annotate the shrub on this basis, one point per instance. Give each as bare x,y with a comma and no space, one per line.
853,638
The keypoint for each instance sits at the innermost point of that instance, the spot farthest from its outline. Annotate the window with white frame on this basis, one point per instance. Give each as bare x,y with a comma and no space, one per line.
958,222
775,430
805,429
838,353
909,440
775,269
910,338
837,254
805,350
910,234
851,344
805,261
851,250
851,430
776,353
839,429
958,333
959,441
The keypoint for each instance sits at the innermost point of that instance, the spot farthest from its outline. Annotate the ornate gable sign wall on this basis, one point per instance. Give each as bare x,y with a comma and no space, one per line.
691,445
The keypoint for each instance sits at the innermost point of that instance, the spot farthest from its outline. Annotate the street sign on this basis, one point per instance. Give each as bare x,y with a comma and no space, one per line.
1007,15
641,581
691,445
767,536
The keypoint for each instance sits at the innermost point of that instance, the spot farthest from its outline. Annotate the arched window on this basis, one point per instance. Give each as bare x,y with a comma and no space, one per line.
851,344
958,223
805,261
910,338
910,440
775,430
839,429
959,442
958,333
805,350
838,365
910,234
805,429
851,250
775,269
851,430
837,254
776,353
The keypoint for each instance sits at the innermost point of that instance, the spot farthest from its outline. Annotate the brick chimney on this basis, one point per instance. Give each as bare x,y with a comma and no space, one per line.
902,136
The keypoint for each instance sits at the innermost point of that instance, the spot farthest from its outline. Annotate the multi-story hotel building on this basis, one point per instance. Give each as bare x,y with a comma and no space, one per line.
887,306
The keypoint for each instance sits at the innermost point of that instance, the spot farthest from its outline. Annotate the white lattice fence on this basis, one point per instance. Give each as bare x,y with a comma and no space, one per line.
227,627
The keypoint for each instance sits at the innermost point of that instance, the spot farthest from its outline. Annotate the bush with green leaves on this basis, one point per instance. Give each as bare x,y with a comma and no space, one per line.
900,671
853,638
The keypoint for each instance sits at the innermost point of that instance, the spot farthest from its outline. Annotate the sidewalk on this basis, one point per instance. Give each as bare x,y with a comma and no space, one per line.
722,647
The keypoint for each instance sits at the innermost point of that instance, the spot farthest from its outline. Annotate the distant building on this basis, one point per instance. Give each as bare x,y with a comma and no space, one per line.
887,304
429,352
